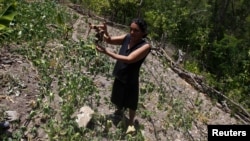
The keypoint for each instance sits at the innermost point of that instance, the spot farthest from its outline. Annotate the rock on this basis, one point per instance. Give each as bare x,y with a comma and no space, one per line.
12,115
84,116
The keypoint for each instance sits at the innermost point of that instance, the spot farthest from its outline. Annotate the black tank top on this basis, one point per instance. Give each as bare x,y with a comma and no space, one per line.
128,73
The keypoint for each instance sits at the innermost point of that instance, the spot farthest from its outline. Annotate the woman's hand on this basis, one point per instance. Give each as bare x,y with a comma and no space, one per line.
103,27
100,27
101,49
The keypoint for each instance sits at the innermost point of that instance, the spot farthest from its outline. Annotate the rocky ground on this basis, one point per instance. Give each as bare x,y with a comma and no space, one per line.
19,83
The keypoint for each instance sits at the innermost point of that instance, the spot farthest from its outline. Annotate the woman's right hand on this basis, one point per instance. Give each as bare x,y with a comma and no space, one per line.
100,48
99,27
104,28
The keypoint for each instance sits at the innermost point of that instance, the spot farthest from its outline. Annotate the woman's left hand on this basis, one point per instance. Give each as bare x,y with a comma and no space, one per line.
100,48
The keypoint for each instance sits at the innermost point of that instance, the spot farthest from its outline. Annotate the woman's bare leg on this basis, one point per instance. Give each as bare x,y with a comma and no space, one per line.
131,117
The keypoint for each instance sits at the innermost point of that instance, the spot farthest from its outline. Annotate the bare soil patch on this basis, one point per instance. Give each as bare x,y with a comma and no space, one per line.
19,86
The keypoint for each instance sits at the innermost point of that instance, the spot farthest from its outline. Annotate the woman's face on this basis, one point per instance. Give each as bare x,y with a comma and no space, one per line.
135,32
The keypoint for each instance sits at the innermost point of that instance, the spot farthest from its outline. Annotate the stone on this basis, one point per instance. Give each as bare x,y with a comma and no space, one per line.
84,116
12,115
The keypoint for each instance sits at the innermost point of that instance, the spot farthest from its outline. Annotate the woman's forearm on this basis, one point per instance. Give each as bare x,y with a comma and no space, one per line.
114,55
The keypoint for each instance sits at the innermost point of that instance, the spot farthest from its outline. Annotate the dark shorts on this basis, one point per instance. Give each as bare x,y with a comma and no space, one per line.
125,95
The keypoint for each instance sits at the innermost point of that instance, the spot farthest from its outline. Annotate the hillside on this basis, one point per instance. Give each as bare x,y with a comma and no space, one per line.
169,108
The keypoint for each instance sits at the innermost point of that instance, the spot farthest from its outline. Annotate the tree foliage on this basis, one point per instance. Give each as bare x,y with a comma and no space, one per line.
6,17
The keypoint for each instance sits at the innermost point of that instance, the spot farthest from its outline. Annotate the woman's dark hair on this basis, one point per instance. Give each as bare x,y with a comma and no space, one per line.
141,24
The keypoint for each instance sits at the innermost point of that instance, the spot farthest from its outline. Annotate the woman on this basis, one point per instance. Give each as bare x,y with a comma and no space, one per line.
133,51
